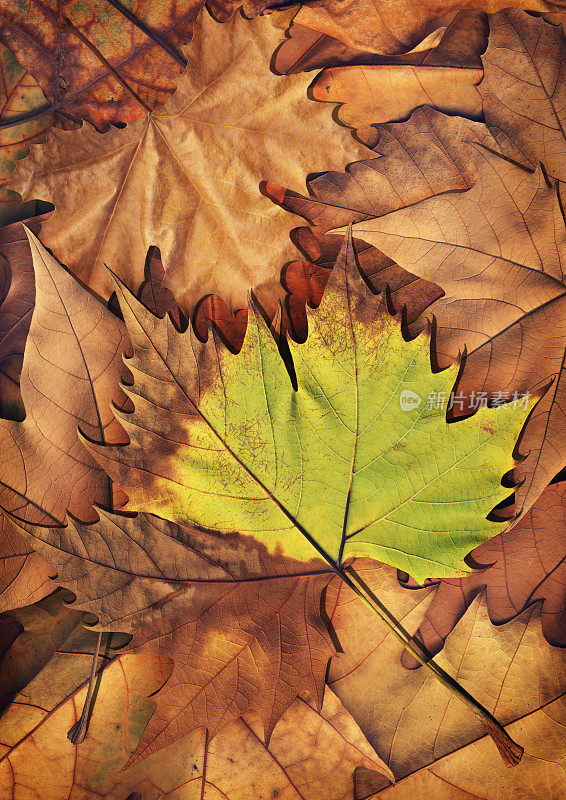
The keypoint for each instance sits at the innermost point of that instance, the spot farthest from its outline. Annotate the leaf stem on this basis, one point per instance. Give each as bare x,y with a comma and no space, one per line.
78,732
510,751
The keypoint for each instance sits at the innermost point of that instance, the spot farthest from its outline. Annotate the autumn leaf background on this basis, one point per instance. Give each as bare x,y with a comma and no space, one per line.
282,504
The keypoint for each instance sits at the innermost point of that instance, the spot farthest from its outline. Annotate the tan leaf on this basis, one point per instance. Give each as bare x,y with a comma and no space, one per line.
408,717
524,89
470,774
186,179
395,26
70,374
443,77
24,575
305,49
311,754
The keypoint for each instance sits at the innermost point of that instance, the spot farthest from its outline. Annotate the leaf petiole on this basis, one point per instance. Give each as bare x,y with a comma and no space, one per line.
78,732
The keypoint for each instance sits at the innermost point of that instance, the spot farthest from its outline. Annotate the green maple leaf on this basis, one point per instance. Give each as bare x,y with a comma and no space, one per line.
225,442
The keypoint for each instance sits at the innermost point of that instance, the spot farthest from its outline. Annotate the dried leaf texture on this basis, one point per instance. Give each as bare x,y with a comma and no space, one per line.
527,566
443,77
85,55
309,752
428,155
17,298
305,281
186,179
396,26
460,38
24,576
236,648
53,641
72,366
471,774
524,90
225,442
242,627
407,716
20,96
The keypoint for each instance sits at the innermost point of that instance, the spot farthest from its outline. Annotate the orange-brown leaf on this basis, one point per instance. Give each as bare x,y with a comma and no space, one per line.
242,627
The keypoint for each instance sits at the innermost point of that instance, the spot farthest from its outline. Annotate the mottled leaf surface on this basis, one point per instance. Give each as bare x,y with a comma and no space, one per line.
20,97
105,62
393,26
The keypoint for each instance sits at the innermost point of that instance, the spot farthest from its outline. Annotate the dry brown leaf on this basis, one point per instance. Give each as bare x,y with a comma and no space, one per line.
470,774
17,298
408,717
310,754
393,26
526,565
44,672
305,281
101,60
24,576
53,639
444,77
428,155
524,90
305,49
242,627
36,758
186,179
70,376
20,96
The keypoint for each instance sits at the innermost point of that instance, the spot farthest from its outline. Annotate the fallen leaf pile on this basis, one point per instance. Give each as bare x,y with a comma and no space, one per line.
282,505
